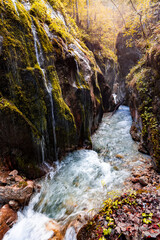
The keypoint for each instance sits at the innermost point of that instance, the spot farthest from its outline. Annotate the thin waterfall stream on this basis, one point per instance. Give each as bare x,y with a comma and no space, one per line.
48,86
81,181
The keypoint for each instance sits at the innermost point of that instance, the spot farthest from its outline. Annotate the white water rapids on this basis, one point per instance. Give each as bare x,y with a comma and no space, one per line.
76,185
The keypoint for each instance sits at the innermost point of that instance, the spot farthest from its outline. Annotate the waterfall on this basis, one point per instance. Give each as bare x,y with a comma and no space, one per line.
15,6
53,13
78,75
115,98
40,61
42,149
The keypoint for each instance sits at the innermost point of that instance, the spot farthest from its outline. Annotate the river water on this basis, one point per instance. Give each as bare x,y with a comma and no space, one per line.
82,180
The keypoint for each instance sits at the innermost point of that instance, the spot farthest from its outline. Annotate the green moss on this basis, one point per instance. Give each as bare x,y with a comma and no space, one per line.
9,108
18,46
39,10
57,26
24,16
57,5
65,123
27,167
22,82
43,38
144,79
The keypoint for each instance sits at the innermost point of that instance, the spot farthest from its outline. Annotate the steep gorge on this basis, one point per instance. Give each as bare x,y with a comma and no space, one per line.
54,90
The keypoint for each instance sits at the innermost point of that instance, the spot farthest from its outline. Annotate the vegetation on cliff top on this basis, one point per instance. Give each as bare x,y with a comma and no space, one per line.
101,21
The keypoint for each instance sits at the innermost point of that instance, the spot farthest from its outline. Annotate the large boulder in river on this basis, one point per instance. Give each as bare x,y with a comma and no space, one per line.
14,189
50,98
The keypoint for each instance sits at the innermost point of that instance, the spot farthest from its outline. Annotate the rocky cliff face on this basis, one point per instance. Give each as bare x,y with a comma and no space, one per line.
143,88
50,97
145,104
138,59
108,76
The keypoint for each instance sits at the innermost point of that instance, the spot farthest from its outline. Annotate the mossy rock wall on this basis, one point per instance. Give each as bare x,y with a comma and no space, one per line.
40,60
144,86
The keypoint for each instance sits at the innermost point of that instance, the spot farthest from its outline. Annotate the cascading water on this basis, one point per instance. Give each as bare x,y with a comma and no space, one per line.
78,75
82,180
40,61
15,6
115,98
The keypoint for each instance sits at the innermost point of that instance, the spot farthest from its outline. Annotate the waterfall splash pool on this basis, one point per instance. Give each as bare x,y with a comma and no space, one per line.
81,181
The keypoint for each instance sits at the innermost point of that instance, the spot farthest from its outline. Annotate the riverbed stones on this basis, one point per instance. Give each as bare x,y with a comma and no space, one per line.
138,217
143,181
15,192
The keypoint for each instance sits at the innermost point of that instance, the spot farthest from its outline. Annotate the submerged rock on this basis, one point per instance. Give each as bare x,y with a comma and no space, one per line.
56,229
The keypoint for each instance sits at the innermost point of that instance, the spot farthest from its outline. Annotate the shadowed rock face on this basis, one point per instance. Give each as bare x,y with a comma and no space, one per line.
127,58
107,78
50,97
1,43
145,105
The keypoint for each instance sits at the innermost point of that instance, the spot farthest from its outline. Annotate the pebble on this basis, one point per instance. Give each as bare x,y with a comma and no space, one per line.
143,181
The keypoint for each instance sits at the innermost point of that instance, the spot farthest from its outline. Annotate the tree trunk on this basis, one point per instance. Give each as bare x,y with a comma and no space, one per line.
88,23
77,13
74,12
140,18
119,13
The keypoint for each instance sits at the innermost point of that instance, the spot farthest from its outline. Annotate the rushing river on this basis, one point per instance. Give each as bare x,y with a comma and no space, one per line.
81,181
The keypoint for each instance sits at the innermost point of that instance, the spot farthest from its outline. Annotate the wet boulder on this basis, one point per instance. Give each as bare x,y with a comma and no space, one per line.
7,218
16,191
